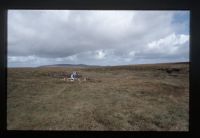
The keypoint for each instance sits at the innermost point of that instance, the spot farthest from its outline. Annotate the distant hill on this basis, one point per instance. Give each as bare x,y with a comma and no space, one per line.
98,66
71,65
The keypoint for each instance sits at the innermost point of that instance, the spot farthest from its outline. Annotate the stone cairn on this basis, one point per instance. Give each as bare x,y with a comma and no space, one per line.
66,76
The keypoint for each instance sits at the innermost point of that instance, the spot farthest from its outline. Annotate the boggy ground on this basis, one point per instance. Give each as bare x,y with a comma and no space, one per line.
131,98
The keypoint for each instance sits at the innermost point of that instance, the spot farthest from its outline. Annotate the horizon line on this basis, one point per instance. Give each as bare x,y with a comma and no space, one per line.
57,65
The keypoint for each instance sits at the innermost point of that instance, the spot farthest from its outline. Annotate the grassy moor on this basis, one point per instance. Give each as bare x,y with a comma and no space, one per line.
129,98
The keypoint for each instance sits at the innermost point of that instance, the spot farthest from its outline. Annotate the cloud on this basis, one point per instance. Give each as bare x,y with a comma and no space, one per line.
170,44
170,40
100,54
96,37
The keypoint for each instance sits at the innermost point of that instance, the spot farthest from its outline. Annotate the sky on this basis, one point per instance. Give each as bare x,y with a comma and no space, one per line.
97,37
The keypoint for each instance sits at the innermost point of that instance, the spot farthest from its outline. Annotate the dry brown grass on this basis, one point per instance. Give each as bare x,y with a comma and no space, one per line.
132,98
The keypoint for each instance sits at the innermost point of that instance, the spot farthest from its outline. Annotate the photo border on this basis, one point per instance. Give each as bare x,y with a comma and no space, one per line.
194,69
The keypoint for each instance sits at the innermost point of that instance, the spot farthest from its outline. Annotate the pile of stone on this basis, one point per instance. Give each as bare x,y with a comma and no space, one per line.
65,75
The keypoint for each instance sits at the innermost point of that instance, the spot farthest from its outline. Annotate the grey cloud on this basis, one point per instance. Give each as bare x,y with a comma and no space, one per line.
77,36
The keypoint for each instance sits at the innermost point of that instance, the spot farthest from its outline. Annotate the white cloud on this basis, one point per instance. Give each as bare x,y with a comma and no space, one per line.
172,39
100,54
169,44
21,58
132,53
72,58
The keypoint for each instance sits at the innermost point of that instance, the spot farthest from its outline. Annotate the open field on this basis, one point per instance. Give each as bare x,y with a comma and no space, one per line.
132,98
